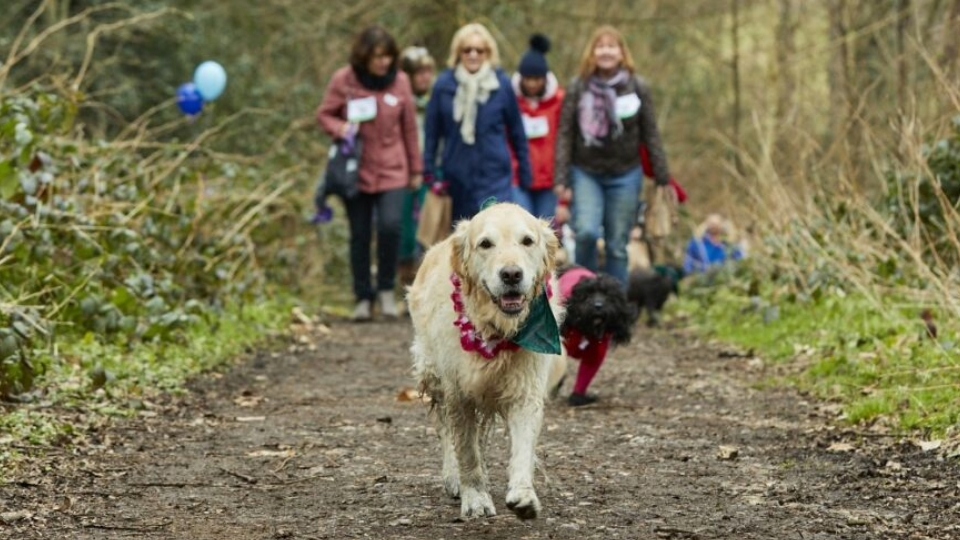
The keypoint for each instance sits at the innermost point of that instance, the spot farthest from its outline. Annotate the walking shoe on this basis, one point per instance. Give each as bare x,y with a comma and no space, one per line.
388,304
579,400
361,312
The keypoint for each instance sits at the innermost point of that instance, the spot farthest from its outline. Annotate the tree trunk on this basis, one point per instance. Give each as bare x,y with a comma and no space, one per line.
951,46
786,51
903,20
735,68
844,126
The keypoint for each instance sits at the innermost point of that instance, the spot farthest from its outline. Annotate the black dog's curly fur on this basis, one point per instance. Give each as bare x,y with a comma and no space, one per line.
598,306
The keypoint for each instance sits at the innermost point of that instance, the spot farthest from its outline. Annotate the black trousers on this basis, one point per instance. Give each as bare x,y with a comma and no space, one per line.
363,212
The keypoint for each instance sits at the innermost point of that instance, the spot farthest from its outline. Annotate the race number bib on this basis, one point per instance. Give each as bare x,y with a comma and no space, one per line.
627,105
362,110
535,127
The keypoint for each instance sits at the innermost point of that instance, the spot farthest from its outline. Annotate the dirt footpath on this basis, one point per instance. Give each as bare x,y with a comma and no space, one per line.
315,444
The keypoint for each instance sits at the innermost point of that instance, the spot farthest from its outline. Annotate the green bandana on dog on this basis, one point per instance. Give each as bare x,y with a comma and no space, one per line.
540,333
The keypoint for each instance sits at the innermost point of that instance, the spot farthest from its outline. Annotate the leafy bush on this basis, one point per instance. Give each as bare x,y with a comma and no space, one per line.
923,205
125,240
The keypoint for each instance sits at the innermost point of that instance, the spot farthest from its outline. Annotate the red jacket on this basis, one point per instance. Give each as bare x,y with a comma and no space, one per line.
542,149
391,145
580,347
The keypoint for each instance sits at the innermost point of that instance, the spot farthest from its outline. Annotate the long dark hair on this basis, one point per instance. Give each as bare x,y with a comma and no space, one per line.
368,41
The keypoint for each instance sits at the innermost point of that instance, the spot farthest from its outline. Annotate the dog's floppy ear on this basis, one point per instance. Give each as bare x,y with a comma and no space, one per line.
460,252
551,245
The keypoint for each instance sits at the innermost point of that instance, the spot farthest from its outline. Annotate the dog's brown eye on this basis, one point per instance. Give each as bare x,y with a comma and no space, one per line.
527,241
485,244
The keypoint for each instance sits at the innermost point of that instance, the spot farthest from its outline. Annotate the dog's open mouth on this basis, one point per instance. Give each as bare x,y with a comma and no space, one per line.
511,303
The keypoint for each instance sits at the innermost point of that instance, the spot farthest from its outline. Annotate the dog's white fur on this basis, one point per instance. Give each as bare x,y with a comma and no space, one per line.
468,391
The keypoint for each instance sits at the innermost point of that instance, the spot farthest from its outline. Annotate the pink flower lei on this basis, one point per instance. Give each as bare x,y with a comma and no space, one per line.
470,340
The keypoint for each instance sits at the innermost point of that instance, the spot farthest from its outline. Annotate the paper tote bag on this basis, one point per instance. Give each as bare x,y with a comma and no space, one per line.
435,219
659,219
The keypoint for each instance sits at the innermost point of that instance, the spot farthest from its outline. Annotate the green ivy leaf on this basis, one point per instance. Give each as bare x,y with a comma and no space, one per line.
9,184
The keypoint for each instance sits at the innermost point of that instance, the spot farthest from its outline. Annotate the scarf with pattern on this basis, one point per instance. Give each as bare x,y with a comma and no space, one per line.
597,109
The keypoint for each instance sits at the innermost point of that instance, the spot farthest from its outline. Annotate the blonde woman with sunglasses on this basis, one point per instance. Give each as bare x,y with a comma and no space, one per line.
473,116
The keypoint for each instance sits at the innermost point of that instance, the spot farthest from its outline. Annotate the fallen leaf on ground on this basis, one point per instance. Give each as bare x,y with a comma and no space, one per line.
727,453
300,317
928,446
271,453
248,401
13,517
411,394
841,447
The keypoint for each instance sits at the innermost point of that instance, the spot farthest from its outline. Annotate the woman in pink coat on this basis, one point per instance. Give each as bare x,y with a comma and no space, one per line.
371,99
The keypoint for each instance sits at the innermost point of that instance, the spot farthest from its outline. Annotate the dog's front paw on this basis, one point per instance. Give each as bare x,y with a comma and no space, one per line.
451,485
523,502
475,503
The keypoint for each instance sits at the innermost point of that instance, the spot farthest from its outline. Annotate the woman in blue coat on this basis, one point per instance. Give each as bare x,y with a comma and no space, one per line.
474,118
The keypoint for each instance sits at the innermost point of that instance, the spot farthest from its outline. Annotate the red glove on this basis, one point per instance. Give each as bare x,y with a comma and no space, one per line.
648,172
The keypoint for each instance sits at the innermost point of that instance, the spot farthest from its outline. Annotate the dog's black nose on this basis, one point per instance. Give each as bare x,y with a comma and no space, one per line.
511,275
598,304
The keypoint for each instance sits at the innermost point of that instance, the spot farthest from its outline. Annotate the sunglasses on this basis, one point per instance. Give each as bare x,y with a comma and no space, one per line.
471,50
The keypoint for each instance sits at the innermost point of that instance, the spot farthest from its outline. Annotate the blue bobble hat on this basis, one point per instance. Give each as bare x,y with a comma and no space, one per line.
534,62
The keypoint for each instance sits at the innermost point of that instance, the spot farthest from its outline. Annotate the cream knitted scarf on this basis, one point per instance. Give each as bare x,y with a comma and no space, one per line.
473,89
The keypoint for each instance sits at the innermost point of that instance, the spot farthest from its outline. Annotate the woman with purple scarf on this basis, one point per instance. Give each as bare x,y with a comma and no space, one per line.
607,116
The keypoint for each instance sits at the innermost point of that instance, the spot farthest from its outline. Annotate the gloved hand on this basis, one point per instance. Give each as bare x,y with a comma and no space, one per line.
440,188
323,216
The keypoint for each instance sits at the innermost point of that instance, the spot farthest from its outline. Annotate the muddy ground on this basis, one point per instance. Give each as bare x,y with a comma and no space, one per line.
314,443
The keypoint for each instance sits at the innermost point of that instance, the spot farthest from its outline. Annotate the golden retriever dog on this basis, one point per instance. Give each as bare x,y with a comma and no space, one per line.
472,294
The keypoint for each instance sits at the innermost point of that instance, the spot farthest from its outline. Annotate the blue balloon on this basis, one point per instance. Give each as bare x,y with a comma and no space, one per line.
189,99
211,80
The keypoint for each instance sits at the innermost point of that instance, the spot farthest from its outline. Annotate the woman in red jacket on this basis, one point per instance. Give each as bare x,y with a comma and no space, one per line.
541,99
371,99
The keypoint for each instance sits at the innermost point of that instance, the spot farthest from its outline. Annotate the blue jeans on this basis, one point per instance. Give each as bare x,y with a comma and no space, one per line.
541,203
605,205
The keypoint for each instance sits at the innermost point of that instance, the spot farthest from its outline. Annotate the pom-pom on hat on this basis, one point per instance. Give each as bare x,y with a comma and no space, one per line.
534,62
